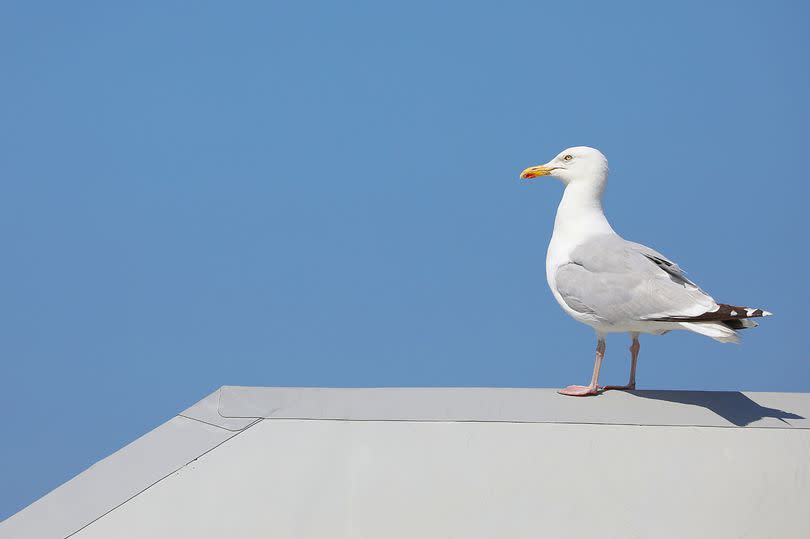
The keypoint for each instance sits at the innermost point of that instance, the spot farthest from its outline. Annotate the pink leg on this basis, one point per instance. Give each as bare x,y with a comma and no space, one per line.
634,348
593,388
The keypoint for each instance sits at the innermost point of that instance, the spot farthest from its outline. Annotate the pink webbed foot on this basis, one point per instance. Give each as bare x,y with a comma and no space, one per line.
628,387
579,391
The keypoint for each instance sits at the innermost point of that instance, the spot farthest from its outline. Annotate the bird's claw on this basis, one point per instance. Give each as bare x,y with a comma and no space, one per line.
628,387
580,391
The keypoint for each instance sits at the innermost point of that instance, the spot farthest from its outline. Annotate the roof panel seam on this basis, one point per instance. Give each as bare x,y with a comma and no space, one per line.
235,434
220,426
605,423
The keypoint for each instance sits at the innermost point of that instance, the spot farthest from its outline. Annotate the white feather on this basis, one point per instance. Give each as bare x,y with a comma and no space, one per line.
715,330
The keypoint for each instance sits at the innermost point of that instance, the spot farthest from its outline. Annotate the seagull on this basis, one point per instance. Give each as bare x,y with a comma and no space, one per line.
615,285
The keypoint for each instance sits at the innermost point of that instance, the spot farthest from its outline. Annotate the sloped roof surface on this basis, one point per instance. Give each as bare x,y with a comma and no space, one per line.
304,462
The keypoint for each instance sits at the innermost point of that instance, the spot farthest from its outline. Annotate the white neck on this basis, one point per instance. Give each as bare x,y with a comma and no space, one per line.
580,215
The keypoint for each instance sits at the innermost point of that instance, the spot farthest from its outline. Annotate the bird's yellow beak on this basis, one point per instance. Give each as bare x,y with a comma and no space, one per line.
534,172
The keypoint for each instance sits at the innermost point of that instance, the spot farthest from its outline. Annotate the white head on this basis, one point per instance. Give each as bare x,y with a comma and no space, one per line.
579,165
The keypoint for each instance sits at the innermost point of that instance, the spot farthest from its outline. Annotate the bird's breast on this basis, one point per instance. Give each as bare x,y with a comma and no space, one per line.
558,254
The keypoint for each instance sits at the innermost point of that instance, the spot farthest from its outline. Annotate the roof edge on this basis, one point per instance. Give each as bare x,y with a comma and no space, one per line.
518,405
207,410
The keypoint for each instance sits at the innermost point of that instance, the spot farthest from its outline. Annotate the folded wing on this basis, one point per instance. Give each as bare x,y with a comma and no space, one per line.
616,281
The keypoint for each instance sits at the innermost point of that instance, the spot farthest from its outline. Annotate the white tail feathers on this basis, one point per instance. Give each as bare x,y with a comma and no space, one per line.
715,330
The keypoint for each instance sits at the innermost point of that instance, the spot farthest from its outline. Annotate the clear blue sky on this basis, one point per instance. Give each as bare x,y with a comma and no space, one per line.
208,193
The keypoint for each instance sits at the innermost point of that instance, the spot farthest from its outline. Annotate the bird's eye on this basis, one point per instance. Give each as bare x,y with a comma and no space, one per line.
568,157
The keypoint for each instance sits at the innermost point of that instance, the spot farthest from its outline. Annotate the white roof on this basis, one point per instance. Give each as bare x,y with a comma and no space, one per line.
444,462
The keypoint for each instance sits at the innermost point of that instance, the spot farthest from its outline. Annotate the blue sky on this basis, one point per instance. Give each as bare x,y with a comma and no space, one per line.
248,193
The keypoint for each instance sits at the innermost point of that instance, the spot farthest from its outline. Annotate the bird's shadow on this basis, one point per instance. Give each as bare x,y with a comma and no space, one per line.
731,405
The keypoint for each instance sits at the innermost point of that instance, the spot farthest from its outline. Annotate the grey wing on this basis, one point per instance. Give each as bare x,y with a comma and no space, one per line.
616,281
661,261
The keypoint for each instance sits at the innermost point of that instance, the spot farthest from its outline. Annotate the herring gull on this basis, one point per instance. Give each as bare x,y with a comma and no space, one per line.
615,285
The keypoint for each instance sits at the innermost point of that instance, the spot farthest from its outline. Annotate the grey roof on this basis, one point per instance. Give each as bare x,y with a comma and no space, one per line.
114,494
516,405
